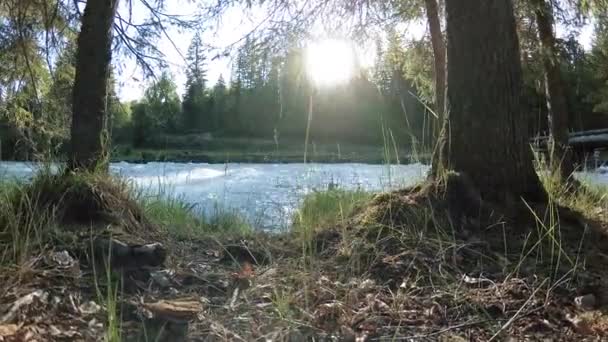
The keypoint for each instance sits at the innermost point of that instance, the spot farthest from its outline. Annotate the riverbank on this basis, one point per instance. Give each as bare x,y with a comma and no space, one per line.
87,258
240,150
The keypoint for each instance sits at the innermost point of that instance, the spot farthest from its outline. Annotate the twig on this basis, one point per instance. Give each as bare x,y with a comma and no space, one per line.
514,318
442,331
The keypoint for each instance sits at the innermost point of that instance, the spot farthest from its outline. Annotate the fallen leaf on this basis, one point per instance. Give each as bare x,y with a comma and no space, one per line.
7,330
580,325
246,271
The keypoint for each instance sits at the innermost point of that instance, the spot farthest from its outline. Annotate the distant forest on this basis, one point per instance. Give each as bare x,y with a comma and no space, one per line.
268,95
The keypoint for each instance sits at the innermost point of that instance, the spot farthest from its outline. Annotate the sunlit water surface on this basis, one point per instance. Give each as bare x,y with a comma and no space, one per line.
267,194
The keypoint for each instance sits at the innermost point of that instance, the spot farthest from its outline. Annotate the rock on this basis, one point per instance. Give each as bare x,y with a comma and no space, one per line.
89,308
586,302
63,259
161,278
153,254
122,255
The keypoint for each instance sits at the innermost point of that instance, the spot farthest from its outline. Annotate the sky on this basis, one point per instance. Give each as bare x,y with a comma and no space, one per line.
234,26
131,83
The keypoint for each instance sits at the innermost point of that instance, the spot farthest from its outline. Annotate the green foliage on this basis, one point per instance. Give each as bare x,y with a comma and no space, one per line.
158,112
197,107
599,63
323,209
23,227
180,219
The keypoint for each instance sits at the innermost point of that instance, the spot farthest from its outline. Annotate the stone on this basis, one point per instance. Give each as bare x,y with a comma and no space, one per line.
161,278
122,255
89,308
586,302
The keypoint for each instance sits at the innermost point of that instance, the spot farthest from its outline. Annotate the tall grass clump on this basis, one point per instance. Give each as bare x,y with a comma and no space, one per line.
23,227
576,193
182,220
321,209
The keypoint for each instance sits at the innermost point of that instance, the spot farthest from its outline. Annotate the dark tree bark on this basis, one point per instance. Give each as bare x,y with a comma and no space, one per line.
91,86
439,59
439,56
487,135
555,91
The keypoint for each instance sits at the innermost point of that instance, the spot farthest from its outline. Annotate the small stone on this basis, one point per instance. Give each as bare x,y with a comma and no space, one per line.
586,302
153,254
161,279
89,308
63,259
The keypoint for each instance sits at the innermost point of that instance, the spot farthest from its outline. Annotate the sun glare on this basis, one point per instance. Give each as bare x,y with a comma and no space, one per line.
330,62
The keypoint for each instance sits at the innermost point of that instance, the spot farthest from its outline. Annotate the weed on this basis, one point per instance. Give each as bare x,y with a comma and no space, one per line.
23,227
182,220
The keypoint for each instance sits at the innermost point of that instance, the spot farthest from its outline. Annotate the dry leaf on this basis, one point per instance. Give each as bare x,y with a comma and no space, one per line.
7,330
580,325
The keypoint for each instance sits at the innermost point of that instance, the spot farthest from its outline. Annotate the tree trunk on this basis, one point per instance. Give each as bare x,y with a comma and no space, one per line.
432,14
90,92
487,135
439,59
560,154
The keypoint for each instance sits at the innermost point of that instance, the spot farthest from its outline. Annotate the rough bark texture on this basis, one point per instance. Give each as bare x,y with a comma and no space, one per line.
487,130
555,91
439,59
91,85
439,55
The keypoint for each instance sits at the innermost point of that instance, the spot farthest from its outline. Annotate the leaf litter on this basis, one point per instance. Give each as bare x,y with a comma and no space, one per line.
368,283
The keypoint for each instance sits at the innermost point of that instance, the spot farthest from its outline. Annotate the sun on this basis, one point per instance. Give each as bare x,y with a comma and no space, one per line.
330,62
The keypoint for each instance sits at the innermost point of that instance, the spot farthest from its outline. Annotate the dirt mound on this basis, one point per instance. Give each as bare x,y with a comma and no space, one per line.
88,199
454,200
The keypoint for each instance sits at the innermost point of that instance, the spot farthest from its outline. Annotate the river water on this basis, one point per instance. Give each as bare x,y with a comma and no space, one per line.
267,194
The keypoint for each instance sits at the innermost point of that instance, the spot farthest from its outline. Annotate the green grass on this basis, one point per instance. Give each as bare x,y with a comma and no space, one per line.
583,196
329,208
322,210
182,220
23,227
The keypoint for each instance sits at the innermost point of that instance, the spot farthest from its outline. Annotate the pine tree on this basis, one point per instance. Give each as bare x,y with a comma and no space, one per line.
219,103
93,60
196,71
381,69
196,110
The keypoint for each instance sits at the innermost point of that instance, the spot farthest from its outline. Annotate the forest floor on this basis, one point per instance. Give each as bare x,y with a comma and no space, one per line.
193,148
86,260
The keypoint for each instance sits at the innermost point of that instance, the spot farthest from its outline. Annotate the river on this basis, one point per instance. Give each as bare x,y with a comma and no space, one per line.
267,194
